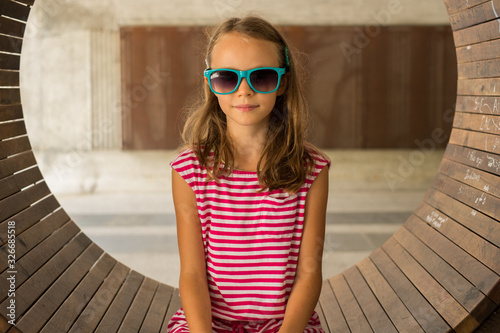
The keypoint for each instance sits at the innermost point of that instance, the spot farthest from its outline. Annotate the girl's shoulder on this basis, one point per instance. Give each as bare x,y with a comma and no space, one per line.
190,157
188,166
319,158
317,162
185,159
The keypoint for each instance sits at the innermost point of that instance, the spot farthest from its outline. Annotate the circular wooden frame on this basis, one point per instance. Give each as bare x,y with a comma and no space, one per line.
439,272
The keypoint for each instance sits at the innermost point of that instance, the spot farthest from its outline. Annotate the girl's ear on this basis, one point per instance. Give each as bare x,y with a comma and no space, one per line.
283,85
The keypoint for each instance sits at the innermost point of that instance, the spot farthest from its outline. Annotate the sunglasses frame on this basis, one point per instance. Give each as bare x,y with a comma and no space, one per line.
245,74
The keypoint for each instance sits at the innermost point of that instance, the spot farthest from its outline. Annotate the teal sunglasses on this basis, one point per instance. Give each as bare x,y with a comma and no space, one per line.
264,80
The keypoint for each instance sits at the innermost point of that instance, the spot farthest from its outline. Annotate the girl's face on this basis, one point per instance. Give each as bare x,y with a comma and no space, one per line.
246,107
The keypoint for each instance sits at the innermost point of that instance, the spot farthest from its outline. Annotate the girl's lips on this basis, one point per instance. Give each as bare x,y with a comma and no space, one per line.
246,107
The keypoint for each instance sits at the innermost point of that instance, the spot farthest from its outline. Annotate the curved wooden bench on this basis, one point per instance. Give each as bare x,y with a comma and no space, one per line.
438,273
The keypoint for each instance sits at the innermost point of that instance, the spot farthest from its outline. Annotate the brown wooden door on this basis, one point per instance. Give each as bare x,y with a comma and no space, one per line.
393,89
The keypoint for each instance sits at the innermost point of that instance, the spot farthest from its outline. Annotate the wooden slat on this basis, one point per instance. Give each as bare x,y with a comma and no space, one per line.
118,309
27,2
173,307
456,316
390,301
8,64
22,200
478,104
481,13
321,317
474,158
14,10
28,292
477,34
94,311
474,220
158,309
479,69
351,310
477,273
49,302
367,296
476,140
13,329
485,252
475,52
9,79
476,178
140,306
12,129
11,27
479,87
428,318
36,258
4,325
334,319
455,284
11,112
27,218
9,166
477,122
454,6
17,182
479,200
10,44
34,236
69,311
10,96
14,146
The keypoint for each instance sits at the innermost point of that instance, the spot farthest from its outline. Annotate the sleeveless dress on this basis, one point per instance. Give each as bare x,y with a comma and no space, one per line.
251,242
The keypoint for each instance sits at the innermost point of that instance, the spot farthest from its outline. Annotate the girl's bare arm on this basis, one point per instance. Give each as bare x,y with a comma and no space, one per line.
193,283
307,285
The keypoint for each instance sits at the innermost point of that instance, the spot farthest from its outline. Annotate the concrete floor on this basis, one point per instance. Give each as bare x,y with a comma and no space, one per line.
123,201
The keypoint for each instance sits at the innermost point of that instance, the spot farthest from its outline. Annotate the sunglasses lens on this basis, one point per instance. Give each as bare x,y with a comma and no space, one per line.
223,81
264,80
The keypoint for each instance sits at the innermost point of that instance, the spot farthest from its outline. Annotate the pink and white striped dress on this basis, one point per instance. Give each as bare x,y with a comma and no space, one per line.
252,242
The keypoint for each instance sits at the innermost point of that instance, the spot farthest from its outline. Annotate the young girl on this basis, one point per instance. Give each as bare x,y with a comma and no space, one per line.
250,194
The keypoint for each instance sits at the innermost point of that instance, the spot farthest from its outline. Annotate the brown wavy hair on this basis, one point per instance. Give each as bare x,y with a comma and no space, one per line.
286,150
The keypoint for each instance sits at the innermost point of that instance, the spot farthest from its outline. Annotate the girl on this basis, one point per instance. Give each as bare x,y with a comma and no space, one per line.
249,193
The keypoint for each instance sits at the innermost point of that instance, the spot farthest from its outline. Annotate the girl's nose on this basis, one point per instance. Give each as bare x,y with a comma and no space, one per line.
244,88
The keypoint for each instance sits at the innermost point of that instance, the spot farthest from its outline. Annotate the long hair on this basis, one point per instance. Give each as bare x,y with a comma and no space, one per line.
286,158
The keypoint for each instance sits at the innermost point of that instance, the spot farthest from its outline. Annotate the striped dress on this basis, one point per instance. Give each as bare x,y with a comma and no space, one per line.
251,242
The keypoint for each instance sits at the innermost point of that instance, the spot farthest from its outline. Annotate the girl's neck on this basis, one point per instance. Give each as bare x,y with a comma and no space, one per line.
248,144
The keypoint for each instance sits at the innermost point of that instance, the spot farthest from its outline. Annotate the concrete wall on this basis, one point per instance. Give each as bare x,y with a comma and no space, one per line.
71,62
